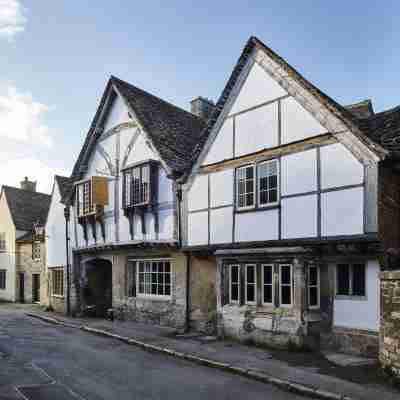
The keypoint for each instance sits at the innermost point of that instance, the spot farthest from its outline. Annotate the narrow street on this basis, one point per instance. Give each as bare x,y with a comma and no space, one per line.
43,362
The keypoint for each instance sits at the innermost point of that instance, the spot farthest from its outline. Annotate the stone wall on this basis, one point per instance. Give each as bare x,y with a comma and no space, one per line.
390,321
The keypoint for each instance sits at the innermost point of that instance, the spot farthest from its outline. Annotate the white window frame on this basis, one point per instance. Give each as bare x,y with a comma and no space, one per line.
277,184
272,284
318,286
3,243
291,286
254,187
230,284
37,243
150,295
254,284
350,296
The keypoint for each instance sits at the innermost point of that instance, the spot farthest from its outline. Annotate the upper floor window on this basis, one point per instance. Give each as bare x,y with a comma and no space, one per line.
2,241
257,185
91,193
139,185
36,250
350,280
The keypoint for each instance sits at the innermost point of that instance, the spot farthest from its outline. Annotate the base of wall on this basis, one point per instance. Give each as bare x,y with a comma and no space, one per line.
352,341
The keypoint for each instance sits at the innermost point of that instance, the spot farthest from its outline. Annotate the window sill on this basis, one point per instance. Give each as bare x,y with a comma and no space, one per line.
256,209
59,296
353,298
151,297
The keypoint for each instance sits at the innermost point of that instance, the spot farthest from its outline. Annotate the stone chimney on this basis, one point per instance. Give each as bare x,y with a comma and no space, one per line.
28,185
202,107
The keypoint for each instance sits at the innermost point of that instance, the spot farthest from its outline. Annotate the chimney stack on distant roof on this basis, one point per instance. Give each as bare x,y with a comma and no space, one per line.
28,185
202,107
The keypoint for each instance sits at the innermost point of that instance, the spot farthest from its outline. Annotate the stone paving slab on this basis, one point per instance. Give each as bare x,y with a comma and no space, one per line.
252,362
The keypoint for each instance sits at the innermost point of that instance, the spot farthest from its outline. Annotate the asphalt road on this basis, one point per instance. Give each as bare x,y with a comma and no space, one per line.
40,361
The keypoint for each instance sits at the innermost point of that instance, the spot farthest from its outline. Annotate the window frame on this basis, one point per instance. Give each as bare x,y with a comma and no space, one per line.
275,203
55,282
254,167
84,209
272,303
150,295
252,303
36,244
291,286
230,284
350,295
3,242
318,286
3,272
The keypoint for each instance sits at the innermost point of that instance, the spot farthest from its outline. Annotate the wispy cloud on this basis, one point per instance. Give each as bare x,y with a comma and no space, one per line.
12,19
21,118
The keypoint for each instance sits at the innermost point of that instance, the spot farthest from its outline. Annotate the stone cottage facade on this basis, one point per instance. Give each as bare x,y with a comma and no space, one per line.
291,202
23,213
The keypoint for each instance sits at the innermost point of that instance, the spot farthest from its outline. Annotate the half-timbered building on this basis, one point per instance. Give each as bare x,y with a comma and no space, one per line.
290,202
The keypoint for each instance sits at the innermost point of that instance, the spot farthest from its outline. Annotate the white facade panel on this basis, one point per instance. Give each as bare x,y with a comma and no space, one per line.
166,224
258,88
222,147
221,188
221,221
164,187
258,225
339,167
342,212
357,313
299,172
117,115
256,130
198,229
141,151
298,123
299,217
198,194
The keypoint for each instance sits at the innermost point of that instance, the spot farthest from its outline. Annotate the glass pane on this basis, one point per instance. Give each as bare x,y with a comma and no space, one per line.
273,182
167,278
267,274
286,295
267,294
235,292
358,280
153,278
250,274
160,290
153,289
249,186
285,275
263,197
250,293
234,274
241,173
263,182
167,290
273,196
273,169
343,281
313,276
249,199
167,266
313,296
249,173
154,267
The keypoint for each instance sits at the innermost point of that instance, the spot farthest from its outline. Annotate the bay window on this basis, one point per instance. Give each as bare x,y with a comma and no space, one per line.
91,194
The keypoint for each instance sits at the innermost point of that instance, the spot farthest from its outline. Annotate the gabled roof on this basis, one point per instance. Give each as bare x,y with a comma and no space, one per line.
350,116
65,185
173,131
26,207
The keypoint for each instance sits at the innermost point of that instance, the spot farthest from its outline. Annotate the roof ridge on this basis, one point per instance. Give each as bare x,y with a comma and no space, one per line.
121,81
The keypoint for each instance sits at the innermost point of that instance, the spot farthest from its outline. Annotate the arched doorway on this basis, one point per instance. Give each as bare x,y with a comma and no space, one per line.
97,285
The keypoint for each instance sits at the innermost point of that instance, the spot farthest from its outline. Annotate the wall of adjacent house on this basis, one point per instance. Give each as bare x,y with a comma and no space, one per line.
7,257
361,313
316,185
123,142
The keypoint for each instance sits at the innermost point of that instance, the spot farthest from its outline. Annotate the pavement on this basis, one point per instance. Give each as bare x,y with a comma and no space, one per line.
43,361
331,376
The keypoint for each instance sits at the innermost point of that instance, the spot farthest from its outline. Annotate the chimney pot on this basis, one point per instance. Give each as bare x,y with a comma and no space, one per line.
202,107
26,184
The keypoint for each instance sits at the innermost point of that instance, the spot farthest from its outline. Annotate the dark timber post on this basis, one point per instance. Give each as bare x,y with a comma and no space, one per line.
67,216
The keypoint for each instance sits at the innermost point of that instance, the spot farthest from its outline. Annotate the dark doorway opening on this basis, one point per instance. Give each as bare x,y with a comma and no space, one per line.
22,287
35,288
97,289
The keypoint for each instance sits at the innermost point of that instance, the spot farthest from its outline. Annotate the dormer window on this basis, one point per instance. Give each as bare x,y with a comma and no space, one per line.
90,195
140,185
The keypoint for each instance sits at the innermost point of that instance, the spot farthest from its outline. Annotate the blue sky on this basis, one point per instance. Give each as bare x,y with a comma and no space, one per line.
56,57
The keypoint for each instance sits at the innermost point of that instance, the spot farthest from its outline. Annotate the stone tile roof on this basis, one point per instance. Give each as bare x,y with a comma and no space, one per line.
173,131
65,185
26,207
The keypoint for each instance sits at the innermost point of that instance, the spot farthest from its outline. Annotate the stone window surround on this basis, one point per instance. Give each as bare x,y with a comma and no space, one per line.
36,250
318,286
351,297
54,271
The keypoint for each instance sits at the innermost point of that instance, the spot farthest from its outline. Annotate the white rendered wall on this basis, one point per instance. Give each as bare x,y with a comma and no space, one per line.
339,167
221,188
342,212
299,172
221,221
118,114
299,217
254,226
198,194
298,123
361,314
256,130
258,88
222,148
198,228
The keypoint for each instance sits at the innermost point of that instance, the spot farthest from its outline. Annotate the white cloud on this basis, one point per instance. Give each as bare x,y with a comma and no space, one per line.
14,171
21,118
12,19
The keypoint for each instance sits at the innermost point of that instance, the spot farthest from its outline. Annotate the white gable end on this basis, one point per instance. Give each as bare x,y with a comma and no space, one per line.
258,88
117,115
